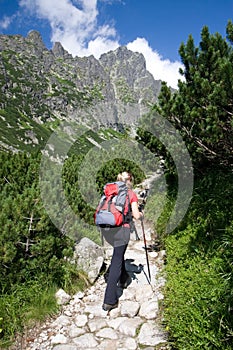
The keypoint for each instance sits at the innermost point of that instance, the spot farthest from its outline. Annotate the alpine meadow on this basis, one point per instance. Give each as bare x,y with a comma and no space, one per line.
116,101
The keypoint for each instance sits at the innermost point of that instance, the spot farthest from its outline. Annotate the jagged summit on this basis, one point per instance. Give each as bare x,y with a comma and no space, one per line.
59,51
35,37
44,86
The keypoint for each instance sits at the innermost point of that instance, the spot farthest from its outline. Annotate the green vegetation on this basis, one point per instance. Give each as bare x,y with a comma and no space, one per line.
198,293
16,135
199,268
124,92
25,304
34,253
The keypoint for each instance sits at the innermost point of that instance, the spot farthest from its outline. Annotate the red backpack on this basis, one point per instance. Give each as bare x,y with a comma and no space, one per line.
114,208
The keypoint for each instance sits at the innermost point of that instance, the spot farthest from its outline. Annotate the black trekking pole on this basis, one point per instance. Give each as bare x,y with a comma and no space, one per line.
147,260
141,207
136,235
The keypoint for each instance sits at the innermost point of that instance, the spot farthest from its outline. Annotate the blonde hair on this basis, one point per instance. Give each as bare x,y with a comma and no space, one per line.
125,177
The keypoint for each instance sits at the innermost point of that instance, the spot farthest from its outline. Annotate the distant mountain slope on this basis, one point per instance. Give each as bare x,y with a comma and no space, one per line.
40,87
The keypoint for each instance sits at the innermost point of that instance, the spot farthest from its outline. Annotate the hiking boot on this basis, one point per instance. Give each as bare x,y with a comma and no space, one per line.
125,282
109,307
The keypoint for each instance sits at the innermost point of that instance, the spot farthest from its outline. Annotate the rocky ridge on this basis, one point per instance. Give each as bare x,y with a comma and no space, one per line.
40,87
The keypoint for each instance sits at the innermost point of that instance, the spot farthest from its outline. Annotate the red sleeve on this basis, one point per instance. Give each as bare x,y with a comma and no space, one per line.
132,196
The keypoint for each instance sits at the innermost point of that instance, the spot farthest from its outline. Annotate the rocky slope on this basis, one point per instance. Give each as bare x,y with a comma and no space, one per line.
40,87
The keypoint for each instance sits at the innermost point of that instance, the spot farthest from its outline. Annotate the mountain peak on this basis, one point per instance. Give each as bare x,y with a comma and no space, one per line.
59,51
35,38
39,87
34,35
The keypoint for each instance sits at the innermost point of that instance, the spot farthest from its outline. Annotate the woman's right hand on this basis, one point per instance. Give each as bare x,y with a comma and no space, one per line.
135,211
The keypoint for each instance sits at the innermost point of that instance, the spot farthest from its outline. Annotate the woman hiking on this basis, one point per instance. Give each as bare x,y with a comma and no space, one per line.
119,238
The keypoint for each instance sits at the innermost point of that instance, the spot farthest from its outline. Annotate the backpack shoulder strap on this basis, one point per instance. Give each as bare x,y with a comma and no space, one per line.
128,215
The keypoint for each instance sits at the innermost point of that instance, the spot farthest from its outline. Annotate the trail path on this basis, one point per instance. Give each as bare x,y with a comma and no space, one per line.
135,324
82,324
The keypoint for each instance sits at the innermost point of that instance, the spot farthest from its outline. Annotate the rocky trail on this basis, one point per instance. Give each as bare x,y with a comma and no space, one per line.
135,324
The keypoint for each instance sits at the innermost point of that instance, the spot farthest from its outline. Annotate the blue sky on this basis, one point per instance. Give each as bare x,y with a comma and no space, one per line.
155,28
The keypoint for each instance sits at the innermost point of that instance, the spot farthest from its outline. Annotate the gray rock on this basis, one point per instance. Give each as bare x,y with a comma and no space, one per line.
86,341
65,347
149,309
75,331
108,333
96,324
127,343
90,257
130,326
116,322
81,320
108,344
144,293
150,334
62,297
129,308
61,321
59,339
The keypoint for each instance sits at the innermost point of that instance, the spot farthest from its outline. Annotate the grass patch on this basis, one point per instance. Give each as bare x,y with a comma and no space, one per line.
194,289
33,302
26,304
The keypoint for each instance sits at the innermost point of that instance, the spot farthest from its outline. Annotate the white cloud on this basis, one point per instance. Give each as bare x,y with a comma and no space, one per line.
5,22
161,69
75,25
101,45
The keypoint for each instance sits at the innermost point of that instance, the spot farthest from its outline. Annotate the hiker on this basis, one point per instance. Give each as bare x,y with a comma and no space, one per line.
119,237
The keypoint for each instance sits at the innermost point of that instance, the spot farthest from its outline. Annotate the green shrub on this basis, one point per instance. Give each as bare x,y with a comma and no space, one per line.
198,292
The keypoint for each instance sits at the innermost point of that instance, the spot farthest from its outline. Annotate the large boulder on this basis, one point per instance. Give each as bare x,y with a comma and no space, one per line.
89,257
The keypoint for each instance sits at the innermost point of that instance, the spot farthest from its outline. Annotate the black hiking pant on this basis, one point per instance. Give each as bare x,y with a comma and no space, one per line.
117,271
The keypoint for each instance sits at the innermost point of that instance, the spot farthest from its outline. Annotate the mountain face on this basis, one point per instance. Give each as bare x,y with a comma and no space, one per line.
40,87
